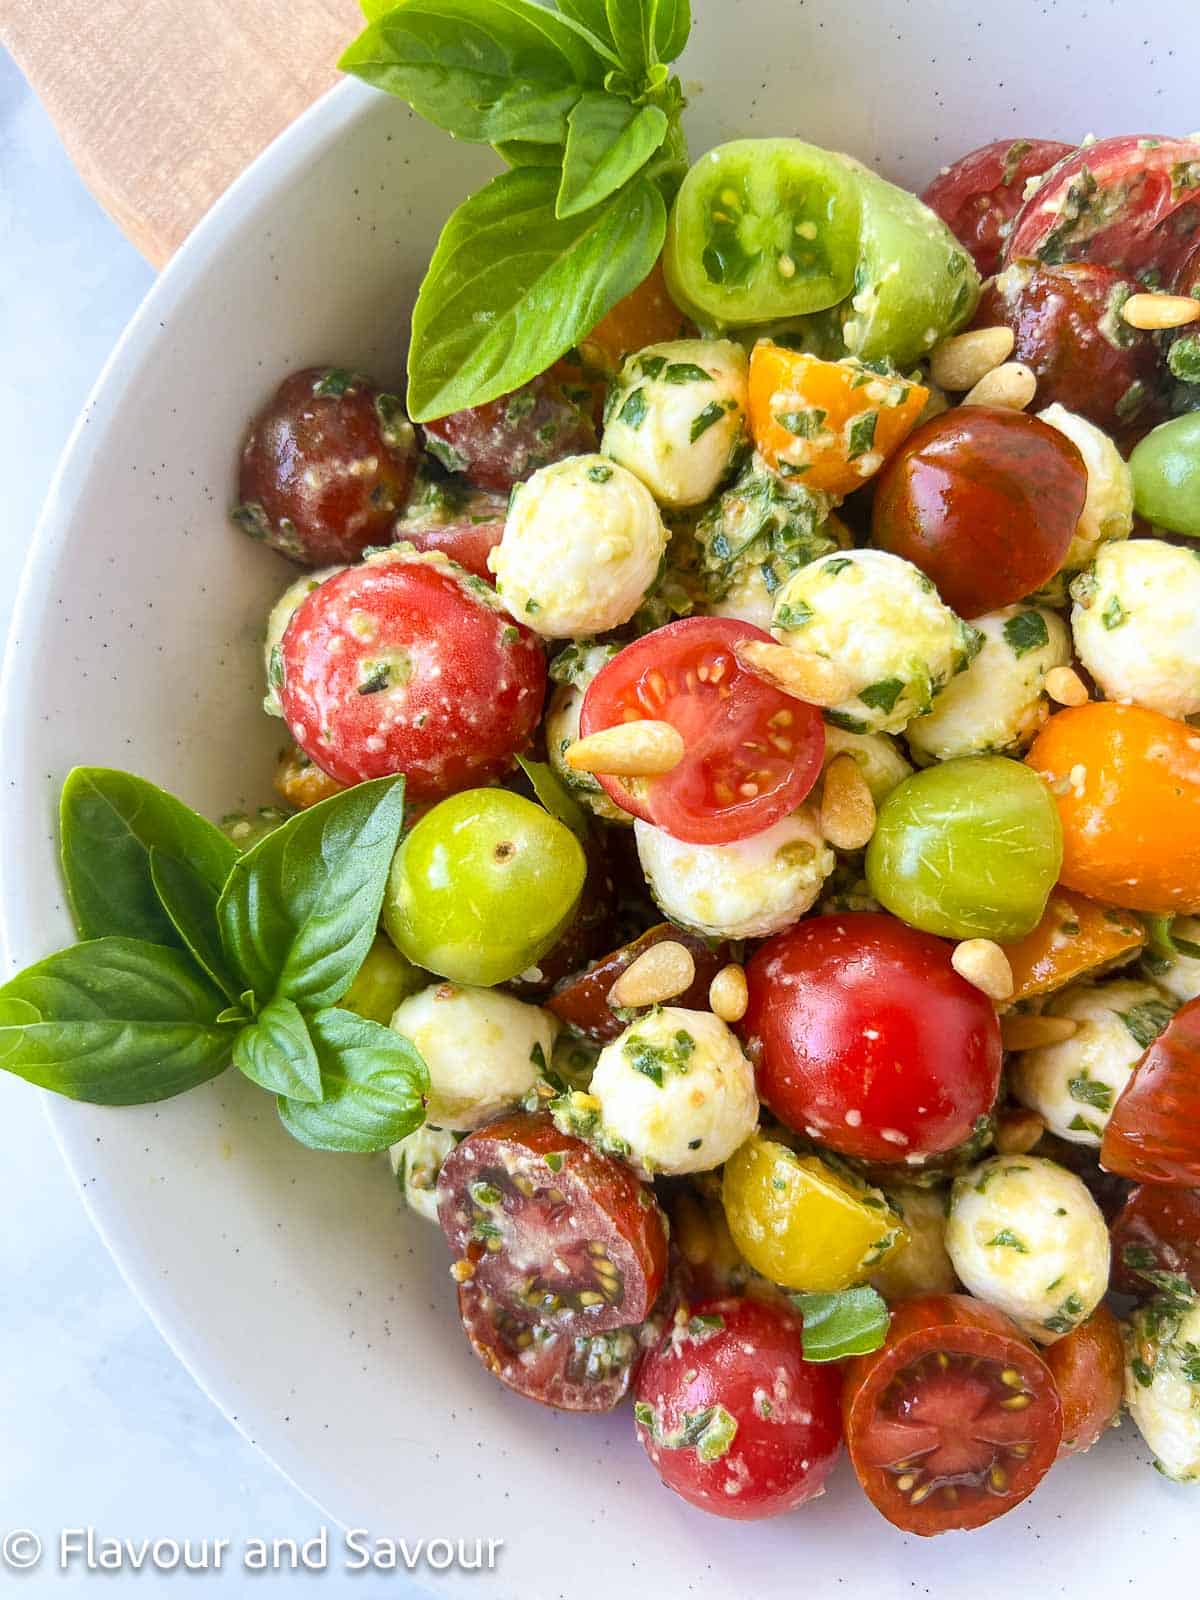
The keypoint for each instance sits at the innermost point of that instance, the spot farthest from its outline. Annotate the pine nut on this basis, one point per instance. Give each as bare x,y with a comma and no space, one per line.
1017,1131
1022,1031
1011,386
959,363
728,996
983,963
1152,311
804,677
630,750
1066,686
659,973
847,809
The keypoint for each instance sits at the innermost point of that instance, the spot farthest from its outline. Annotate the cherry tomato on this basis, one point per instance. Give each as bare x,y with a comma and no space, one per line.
1089,1372
463,523
300,782
984,501
1075,937
505,441
581,1001
408,664
978,196
866,1039
954,1420
1127,784
555,1231
1187,278
592,929
326,467
753,753
647,315
1157,1230
1153,1135
732,1416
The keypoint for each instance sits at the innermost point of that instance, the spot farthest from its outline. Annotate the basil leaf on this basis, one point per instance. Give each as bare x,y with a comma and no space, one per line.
110,821
589,14
511,287
114,1021
554,795
373,1079
277,1053
672,28
524,153
631,23
191,903
608,140
300,909
852,1323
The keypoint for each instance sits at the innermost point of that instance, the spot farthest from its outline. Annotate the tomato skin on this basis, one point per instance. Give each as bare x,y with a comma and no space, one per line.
472,696
984,501
1159,1225
1153,1135
780,1454
978,195
647,315
1088,1365
1074,937
505,441
581,1000
865,1038
967,1329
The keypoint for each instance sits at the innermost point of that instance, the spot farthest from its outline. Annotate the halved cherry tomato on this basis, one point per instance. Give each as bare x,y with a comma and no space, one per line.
1127,784
581,1001
554,1231
463,523
1156,1231
1153,1134
830,423
954,1420
985,502
979,194
1089,1372
504,441
866,1039
753,753
1075,937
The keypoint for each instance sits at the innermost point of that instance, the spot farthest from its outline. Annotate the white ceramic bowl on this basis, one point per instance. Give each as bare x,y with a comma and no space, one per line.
317,1316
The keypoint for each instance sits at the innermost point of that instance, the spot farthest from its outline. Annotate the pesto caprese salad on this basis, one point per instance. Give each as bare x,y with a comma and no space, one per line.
741,851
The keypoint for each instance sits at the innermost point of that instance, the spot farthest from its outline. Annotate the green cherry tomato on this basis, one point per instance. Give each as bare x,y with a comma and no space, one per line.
969,850
384,979
483,886
763,229
1166,475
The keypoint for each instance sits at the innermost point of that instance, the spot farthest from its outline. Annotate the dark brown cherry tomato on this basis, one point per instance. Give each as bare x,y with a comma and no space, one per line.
1156,1231
581,1001
552,1230
865,1038
978,195
1089,1373
1153,1134
954,1420
505,441
984,501
1070,332
326,467
463,523
732,1416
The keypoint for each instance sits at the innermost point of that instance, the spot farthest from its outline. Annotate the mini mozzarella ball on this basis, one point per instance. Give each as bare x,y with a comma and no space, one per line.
282,613
675,1091
1179,973
676,416
1136,621
998,704
878,618
1162,1386
744,890
416,1162
1073,1086
922,1265
573,671
1025,1235
484,1050
878,756
581,547
1108,508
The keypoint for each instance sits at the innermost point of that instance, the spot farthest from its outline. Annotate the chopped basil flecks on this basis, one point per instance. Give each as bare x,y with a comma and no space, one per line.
712,413
1146,1021
1025,632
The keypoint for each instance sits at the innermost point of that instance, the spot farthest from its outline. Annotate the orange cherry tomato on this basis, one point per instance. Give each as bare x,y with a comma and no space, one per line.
1127,783
832,423
1075,937
647,315
300,782
1089,1373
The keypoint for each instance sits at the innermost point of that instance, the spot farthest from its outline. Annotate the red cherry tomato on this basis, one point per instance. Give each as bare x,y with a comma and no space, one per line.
753,753
1156,1231
581,1001
1088,1365
866,1039
408,664
1187,279
505,441
985,502
979,194
1153,1135
555,1231
954,1420
732,1416
464,524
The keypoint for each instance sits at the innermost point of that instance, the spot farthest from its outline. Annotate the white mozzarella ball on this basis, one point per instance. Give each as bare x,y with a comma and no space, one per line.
878,618
998,704
582,545
1025,1235
1179,973
1162,1386
573,671
484,1050
416,1162
1108,508
1136,621
1073,1086
744,890
282,613
676,416
878,757
675,1092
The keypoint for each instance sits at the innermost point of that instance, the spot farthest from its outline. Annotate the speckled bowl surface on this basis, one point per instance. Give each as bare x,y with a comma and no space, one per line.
319,1317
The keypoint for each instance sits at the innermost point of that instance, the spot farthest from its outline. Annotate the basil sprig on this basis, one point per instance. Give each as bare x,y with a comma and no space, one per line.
851,1323
581,104
194,955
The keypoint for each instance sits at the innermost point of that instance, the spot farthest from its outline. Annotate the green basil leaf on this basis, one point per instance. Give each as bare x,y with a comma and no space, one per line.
524,153
608,140
851,1323
115,1021
554,795
277,1053
300,909
589,14
110,821
631,23
374,1081
512,287
191,903
672,28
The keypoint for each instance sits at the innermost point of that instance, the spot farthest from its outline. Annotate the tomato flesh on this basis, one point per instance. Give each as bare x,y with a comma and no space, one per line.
1153,1134
1156,1231
581,1000
979,194
1089,1372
